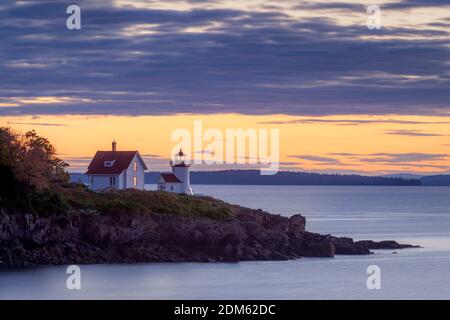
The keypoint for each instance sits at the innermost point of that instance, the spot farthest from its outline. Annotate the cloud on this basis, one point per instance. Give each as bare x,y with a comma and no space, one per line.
153,156
352,122
408,4
37,124
417,166
317,159
344,154
77,163
309,5
407,161
404,157
347,159
220,57
412,133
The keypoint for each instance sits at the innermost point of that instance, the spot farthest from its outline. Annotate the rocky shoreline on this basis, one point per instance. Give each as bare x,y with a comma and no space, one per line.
84,237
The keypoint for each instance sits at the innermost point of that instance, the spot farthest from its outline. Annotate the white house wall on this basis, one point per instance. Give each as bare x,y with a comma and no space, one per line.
100,182
122,180
182,173
129,174
175,187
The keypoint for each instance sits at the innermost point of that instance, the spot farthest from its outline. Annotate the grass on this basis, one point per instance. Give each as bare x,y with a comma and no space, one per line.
137,201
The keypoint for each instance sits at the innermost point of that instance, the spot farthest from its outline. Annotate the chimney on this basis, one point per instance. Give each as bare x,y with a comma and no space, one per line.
114,145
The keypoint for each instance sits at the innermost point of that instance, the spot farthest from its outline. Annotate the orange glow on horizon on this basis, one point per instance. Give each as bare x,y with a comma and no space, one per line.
332,144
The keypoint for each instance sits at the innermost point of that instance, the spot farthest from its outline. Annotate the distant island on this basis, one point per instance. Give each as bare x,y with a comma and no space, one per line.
253,177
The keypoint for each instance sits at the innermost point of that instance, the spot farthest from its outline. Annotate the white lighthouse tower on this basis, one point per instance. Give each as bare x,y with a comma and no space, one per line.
180,168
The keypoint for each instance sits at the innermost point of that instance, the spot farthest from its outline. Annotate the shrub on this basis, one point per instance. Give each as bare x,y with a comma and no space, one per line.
136,201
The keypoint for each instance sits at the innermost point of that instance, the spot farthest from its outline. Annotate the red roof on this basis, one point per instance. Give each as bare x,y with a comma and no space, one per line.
118,162
170,177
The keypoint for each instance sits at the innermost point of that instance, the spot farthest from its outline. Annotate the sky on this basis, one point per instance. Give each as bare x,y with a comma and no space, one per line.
345,98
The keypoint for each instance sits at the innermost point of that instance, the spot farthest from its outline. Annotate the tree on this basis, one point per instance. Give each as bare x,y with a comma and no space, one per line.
32,159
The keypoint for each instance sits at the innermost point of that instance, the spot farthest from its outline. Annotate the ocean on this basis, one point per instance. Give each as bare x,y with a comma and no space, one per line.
414,215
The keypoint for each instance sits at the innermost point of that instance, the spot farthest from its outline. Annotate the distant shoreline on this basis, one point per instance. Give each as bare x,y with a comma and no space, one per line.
288,178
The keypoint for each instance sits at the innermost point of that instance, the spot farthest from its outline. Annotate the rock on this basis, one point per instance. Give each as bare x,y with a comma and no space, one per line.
84,237
386,244
346,245
316,245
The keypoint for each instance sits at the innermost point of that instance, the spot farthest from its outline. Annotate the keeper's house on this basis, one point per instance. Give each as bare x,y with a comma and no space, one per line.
116,170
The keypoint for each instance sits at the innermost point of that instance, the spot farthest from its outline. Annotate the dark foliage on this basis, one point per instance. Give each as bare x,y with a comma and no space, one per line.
29,172
137,201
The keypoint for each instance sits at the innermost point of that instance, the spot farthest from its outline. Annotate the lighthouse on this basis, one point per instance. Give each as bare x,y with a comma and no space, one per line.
180,168
178,180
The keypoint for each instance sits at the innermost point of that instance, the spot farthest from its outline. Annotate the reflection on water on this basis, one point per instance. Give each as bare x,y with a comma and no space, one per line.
409,274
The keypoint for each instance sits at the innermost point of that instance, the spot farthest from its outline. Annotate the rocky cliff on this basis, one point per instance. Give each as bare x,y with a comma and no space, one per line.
83,237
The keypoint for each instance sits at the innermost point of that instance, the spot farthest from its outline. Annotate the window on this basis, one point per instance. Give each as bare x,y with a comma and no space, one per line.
135,181
171,188
135,166
109,164
112,181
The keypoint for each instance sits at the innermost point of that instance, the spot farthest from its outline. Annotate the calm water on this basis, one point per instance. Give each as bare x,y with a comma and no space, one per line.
418,215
